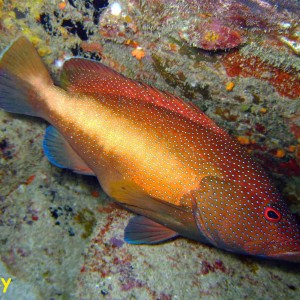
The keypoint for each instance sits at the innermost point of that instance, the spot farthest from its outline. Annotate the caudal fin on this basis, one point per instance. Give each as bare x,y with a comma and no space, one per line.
22,74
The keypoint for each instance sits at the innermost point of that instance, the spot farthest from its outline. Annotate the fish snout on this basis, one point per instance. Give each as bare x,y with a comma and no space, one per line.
287,250
288,256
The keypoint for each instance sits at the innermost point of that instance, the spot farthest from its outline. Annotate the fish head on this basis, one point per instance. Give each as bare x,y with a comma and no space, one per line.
247,220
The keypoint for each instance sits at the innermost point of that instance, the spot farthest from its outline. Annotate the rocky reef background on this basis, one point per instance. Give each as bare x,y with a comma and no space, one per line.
239,61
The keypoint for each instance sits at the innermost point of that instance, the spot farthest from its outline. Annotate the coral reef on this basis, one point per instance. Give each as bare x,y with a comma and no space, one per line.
237,60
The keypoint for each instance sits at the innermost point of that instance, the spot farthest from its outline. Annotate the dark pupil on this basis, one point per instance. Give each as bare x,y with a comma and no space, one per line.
272,215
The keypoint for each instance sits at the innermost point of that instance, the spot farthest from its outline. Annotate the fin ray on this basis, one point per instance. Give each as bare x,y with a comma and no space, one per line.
14,95
22,60
61,154
178,218
141,230
20,70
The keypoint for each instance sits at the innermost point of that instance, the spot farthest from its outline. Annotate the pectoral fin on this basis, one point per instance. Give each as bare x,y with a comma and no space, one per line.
141,230
136,199
174,219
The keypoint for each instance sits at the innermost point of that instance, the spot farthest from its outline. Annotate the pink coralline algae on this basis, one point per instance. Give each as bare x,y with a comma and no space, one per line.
246,14
221,25
212,36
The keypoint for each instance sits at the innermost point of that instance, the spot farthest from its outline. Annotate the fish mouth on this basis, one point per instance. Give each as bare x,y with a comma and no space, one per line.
288,256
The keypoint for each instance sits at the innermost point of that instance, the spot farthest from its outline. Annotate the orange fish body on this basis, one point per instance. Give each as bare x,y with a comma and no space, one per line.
154,153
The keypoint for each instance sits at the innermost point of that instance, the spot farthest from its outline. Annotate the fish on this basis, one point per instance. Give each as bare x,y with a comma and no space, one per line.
155,154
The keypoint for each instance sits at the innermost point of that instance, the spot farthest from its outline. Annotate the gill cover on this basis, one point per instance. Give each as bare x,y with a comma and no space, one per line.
243,221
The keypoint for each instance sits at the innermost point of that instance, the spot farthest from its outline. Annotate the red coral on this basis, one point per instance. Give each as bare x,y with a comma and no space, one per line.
286,83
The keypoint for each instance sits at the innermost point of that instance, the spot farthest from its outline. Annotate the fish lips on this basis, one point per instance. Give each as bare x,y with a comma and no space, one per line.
287,256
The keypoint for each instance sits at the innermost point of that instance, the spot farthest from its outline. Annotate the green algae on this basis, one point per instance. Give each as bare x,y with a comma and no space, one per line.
86,218
179,79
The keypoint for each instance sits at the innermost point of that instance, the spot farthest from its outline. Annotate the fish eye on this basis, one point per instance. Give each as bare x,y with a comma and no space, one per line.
272,214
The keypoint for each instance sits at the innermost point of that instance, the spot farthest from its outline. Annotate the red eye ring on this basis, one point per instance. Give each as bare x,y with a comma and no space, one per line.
272,214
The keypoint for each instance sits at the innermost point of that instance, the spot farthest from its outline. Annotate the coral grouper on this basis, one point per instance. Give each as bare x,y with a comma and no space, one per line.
155,154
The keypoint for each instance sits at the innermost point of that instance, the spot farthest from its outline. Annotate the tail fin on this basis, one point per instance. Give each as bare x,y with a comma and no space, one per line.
22,73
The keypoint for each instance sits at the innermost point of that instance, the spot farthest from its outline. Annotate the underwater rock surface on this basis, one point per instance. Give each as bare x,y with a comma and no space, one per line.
239,61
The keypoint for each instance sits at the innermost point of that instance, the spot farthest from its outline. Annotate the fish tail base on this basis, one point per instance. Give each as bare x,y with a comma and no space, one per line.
22,73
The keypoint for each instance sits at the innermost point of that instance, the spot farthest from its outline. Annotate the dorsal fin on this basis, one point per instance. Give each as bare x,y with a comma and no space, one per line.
90,77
